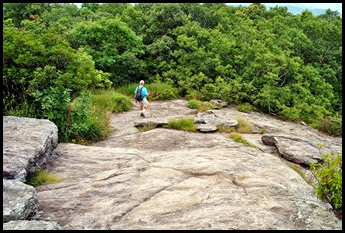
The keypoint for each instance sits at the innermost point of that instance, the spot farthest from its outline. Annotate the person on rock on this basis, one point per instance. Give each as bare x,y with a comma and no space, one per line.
140,96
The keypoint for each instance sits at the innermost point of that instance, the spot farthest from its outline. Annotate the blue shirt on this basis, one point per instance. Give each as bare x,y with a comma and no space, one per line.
143,91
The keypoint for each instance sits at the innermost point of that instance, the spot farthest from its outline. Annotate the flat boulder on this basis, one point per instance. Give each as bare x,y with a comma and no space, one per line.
206,128
19,200
157,122
28,145
31,225
295,149
219,103
212,117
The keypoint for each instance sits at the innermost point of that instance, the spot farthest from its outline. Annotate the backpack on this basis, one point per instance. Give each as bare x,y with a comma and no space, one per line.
138,95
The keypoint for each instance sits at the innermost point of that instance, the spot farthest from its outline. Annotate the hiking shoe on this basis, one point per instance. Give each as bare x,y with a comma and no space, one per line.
142,114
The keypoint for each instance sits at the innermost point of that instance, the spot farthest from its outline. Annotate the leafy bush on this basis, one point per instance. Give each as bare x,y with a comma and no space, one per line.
159,91
127,90
42,178
186,124
199,105
194,104
246,107
87,122
205,106
114,47
121,102
331,126
90,115
329,178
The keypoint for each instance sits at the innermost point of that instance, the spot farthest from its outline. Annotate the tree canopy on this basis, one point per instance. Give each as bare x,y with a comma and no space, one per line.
283,64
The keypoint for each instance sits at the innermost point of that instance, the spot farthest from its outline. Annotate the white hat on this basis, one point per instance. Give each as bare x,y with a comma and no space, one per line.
141,81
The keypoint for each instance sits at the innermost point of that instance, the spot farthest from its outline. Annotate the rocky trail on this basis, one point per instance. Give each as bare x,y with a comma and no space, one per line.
170,179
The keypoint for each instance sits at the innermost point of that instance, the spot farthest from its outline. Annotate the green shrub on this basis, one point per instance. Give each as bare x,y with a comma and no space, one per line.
205,106
87,121
238,138
246,107
42,178
199,105
331,126
186,124
127,90
194,104
329,178
159,91
121,102
23,110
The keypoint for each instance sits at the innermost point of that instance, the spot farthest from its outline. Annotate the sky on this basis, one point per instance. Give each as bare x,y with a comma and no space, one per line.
332,6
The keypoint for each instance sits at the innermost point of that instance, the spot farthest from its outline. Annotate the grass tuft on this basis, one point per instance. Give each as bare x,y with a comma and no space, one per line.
186,124
244,126
43,178
238,138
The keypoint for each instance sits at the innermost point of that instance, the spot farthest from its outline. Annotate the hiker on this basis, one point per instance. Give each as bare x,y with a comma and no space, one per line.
140,96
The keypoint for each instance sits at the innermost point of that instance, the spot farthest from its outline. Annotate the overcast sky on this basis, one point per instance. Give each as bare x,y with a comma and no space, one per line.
332,6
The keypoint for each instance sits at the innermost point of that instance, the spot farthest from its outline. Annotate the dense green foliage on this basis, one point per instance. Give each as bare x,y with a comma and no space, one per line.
89,115
329,178
331,125
246,107
186,124
278,63
158,91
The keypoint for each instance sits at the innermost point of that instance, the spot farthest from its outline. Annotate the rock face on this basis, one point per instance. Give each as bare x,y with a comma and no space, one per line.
296,149
218,103
31,225
28,147
206,128
28,144
213,117
19,200
169,179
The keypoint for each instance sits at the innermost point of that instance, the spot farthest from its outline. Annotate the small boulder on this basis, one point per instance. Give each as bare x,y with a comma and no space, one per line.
294,149
31,225
19,200
206,128
28,145
219,103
